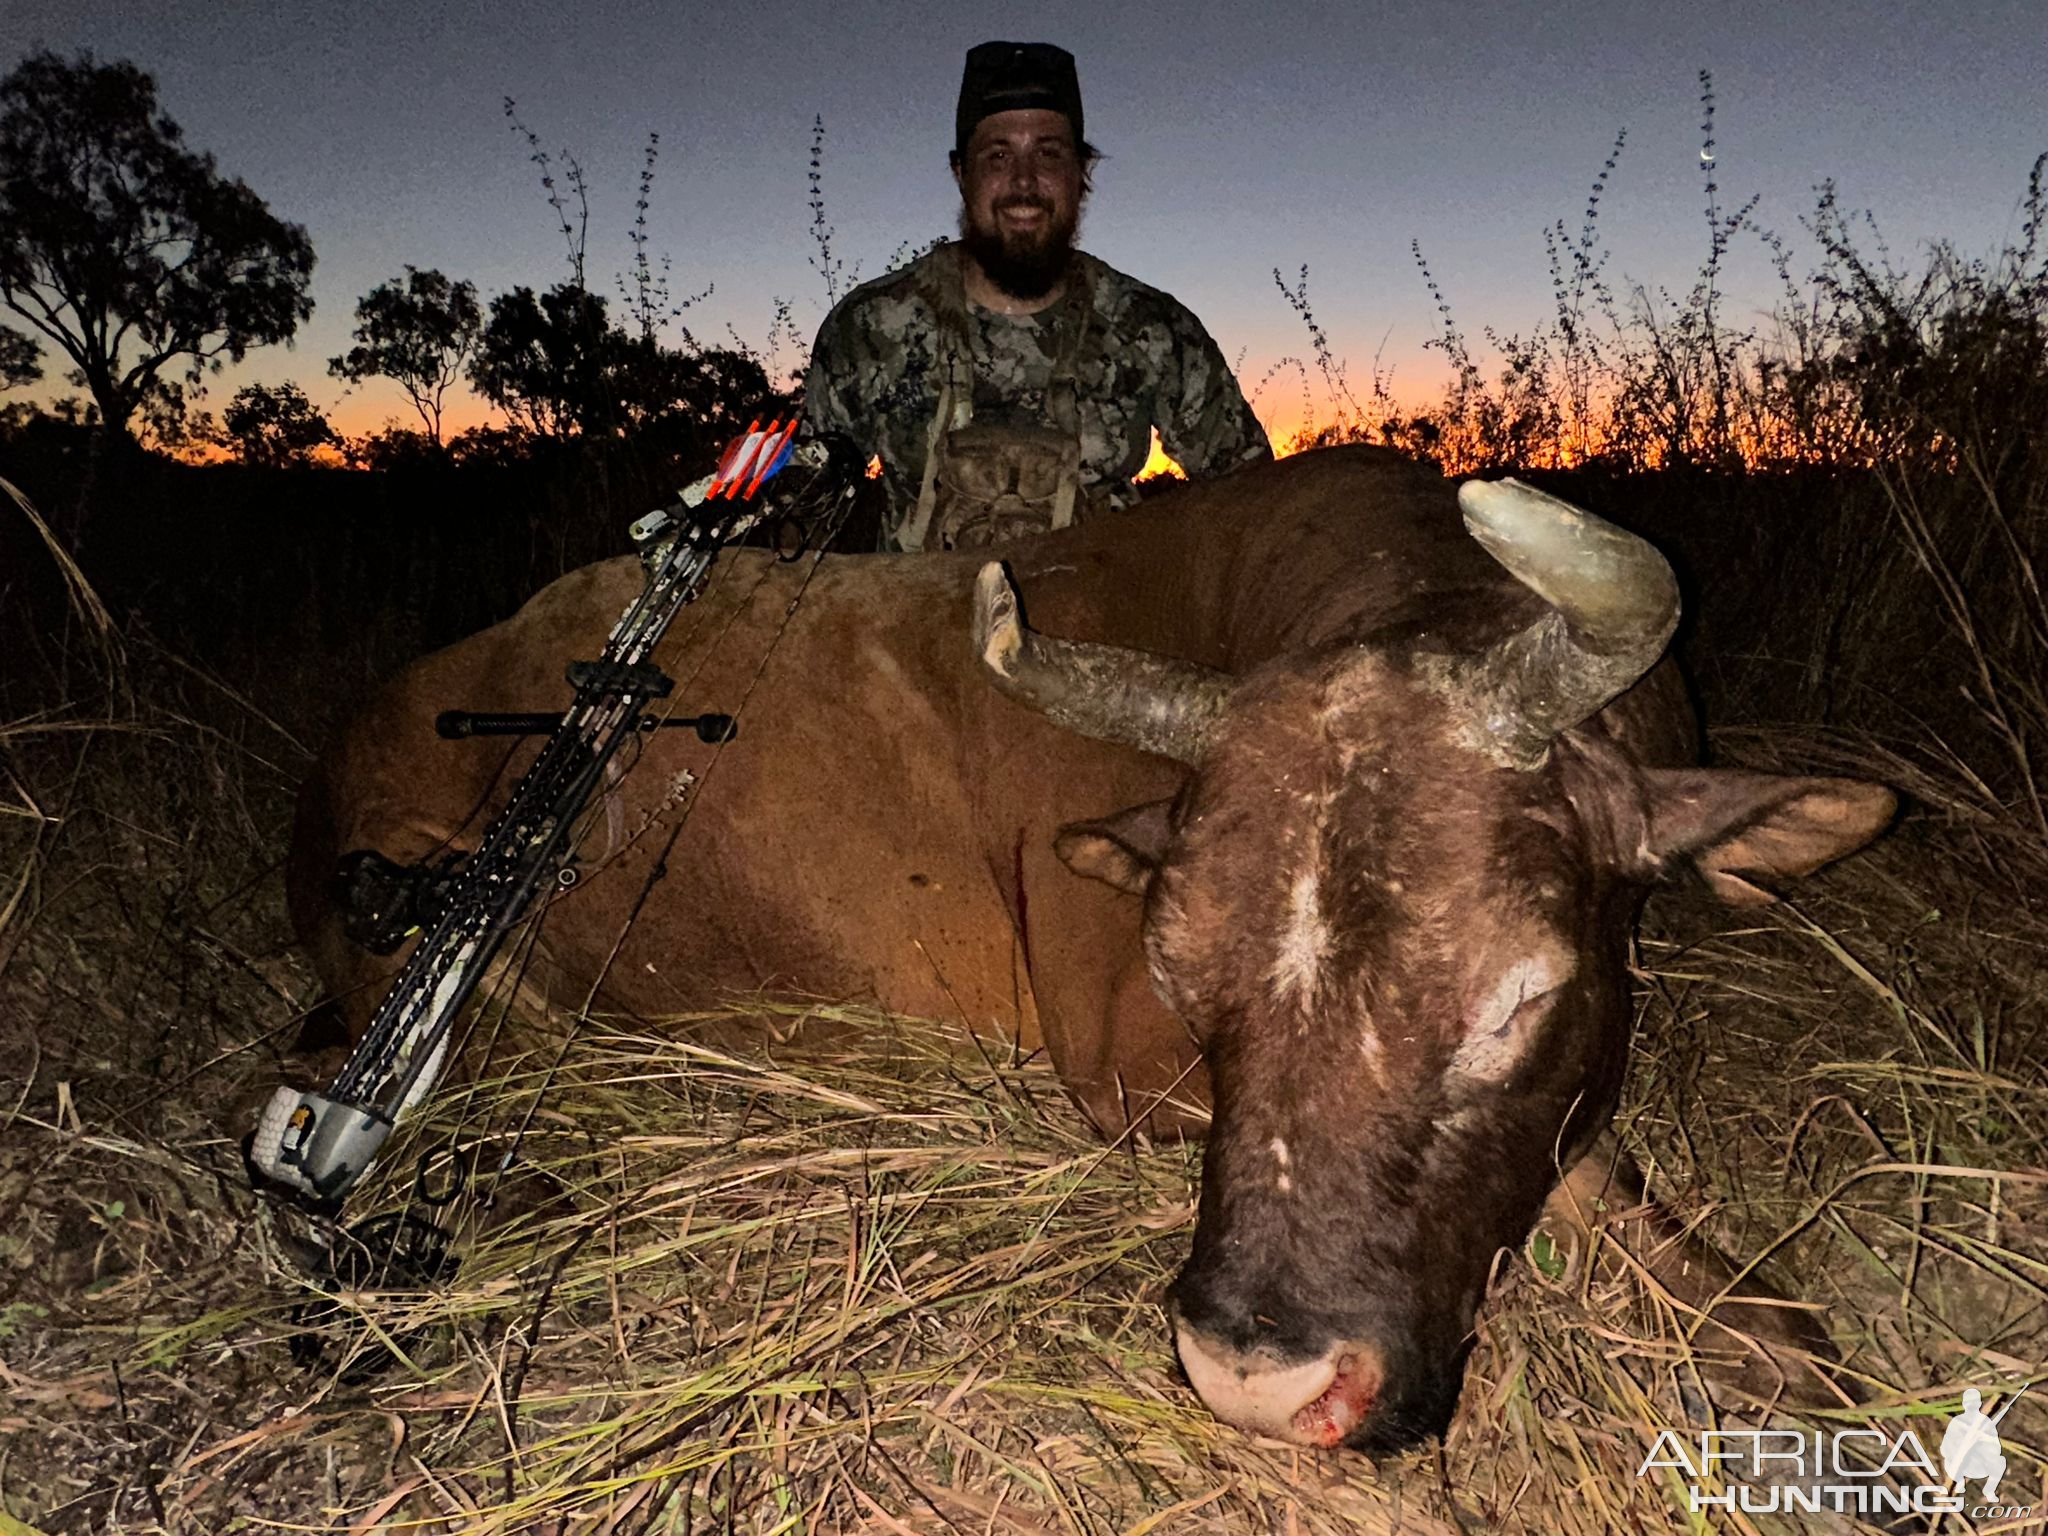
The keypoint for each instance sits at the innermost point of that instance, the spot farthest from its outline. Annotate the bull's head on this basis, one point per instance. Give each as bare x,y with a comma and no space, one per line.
1392,902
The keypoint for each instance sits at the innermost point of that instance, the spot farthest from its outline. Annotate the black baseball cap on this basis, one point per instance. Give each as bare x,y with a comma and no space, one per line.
1016,77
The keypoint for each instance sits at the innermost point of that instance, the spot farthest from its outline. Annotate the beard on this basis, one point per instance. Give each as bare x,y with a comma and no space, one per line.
1025,264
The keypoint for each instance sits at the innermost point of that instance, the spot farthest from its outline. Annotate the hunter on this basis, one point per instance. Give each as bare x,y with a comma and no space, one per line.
1007,381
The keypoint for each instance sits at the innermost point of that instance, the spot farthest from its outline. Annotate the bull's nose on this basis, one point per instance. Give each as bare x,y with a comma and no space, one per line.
1319,1402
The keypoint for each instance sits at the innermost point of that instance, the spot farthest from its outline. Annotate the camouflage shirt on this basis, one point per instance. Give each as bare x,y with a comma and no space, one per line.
875,376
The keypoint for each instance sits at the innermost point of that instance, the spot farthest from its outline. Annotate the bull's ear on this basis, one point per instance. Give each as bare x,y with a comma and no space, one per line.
1123,850
1736,825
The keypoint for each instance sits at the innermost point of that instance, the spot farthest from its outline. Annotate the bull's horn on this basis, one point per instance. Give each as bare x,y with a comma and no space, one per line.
1133,698
1614,605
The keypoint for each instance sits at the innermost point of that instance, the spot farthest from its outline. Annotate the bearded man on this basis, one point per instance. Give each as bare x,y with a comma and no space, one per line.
1008,382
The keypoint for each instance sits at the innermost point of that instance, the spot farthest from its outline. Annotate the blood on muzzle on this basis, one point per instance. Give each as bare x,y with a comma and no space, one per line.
1318,1402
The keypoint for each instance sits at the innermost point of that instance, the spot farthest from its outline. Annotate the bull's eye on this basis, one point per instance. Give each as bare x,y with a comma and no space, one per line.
1501,1029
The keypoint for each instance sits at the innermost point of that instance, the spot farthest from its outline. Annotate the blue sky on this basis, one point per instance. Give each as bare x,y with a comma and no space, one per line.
1240,139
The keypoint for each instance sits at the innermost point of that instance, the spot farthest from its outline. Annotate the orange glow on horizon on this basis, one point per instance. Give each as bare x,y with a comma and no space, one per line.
362,412
359,415
1159,462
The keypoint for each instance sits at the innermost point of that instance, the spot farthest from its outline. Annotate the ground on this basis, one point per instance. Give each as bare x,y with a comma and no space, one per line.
896,1285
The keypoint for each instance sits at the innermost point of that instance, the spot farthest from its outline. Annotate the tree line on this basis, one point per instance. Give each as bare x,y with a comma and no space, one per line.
145,268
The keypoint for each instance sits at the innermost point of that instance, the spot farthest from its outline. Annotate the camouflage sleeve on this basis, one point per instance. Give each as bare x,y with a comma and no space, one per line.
831,403
1209,427
851,360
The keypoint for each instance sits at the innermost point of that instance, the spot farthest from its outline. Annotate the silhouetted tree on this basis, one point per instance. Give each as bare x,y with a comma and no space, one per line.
395,447
709,393
126,249
559,368
275,427
63,426
20,363
418,332
499,447
542,360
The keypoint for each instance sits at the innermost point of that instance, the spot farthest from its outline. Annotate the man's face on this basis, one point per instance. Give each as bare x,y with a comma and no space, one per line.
1020,199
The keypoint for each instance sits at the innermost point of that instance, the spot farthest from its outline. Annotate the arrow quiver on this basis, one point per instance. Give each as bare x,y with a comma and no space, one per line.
317,1145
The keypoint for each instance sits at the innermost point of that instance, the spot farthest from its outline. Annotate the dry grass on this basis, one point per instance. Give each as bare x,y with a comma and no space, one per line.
896,1286
893,1285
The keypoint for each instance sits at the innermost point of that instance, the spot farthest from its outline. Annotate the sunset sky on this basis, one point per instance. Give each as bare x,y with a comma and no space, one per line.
1239,139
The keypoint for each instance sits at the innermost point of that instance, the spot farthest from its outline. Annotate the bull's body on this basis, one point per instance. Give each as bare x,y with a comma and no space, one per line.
1339,903
883,827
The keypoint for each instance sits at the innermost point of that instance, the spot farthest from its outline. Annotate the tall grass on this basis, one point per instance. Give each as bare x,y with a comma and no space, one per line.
1864,364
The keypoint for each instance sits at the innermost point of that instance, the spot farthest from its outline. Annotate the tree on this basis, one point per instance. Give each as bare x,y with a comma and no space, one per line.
277,427
498,447
418,332
126,249
542,360
19,362
394,446
558,367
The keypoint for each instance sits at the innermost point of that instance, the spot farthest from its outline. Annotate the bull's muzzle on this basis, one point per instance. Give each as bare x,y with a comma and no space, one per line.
1323,1402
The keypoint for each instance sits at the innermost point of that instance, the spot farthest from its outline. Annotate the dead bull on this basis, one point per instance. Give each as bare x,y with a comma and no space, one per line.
1391,808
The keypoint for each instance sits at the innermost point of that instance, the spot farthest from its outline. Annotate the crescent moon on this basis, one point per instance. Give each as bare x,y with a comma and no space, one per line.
1706,157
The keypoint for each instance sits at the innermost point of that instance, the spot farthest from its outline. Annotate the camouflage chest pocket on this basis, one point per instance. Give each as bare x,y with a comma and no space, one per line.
1000,483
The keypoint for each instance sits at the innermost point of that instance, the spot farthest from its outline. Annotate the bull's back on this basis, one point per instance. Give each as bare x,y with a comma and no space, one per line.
830,849
1341,542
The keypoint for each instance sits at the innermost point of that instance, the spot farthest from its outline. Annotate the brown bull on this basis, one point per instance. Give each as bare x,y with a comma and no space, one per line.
1365,812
